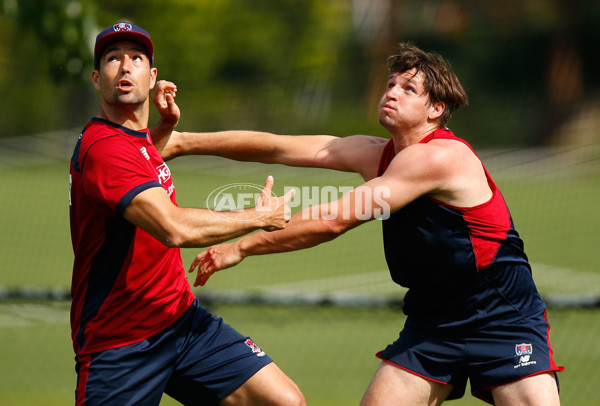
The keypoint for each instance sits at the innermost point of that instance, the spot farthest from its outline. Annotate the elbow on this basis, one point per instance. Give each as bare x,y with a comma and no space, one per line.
172,239
183,240
172,242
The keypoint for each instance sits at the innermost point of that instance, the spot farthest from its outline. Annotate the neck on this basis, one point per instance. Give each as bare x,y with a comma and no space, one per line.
405,138
128,115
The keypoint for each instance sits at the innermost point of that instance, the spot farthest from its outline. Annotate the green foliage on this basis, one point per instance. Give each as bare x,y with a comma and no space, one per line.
61,29
308,66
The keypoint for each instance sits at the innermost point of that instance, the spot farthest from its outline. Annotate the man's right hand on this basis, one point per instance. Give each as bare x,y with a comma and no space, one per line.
277,212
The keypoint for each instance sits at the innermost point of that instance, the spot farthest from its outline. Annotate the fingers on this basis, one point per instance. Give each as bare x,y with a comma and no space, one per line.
170,99
279,209
266,192
201,279
287,215
164,94
165,86
206,267
197,261
263,203
289,196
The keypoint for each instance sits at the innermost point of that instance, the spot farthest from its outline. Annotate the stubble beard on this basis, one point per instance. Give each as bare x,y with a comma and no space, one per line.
387,122
131,99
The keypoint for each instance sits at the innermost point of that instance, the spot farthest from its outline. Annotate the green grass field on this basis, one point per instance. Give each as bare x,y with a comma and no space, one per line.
327,350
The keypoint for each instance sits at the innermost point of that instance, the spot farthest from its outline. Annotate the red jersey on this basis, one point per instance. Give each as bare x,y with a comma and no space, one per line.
126,285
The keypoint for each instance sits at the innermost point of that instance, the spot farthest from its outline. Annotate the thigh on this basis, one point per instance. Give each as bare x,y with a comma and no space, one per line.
392,385
268,387
510,353
537,390
426,355
214,360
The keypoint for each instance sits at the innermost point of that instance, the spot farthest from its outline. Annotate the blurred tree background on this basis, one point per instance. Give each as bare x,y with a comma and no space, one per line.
530,67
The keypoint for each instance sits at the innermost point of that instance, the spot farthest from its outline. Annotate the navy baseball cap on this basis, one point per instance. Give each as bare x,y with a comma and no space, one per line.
122,31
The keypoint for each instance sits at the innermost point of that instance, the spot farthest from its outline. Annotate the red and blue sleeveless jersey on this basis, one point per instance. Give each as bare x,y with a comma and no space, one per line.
126,285
461,265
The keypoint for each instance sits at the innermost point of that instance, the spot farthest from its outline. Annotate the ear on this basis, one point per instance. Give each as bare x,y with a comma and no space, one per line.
96,79
436,110
153,75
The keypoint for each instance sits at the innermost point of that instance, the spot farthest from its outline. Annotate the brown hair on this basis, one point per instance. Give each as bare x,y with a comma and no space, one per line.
440,82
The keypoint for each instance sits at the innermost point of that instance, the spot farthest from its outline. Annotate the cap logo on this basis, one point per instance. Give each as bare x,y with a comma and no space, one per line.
122,27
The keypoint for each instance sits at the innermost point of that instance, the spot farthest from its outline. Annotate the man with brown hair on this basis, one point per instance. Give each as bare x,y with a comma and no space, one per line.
473,311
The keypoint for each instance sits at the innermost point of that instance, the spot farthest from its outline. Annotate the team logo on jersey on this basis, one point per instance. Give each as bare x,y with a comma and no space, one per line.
255,348
523,352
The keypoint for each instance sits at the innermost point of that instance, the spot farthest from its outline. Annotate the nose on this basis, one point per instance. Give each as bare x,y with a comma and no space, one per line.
126,64
391,93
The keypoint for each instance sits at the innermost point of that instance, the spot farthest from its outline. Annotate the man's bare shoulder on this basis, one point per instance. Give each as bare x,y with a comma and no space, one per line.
452,171
358,153
445,153
454,154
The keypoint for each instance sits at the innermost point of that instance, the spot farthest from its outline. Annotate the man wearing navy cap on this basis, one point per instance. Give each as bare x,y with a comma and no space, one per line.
138,331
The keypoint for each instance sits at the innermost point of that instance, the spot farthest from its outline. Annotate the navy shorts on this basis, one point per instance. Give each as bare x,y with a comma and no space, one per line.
197,360
488,357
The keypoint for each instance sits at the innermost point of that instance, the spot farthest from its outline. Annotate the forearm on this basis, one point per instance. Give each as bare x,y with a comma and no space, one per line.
303,231
202,227
321,223
175,226
257,146
237,145
161,134
312,226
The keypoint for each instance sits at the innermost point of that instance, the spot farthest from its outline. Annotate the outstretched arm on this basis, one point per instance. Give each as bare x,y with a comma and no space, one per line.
413,173
303,231
357,153
153,211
